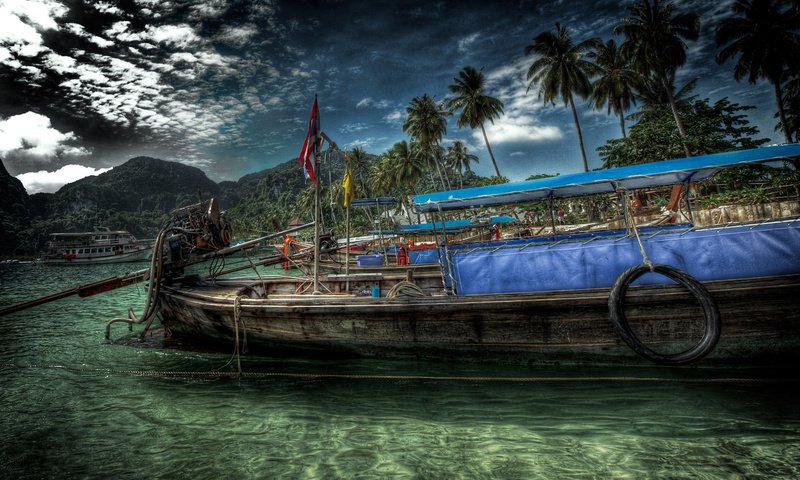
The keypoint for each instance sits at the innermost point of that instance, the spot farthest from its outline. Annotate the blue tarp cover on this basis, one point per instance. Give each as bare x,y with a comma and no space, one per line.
667,172
707,254
427,255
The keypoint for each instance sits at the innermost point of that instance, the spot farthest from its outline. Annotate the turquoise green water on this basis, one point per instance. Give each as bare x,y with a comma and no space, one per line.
73,408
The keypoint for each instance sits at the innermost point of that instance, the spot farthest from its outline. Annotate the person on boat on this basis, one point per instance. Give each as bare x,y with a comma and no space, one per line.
560,216
495,230
288,249
402,254
529,219
637,204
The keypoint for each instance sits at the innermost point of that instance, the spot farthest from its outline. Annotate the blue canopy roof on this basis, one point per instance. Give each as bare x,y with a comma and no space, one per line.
667,172
452,225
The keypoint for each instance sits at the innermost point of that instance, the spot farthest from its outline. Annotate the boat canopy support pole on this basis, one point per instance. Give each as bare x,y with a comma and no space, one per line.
380,230
347,247
688,202
445,262
622,209
552,214
388,226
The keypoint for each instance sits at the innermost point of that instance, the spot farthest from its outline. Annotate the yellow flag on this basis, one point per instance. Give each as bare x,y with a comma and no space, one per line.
347,186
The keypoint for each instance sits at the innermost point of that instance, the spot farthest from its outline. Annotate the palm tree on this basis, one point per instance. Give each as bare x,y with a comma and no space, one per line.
459,159
655,43
381,178
359,167
615,82
653,95
764,35
791,105
561,71
426,123
396,173
476,108
406,167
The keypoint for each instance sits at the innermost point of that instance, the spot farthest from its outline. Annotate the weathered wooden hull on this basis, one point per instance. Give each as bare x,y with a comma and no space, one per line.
760,322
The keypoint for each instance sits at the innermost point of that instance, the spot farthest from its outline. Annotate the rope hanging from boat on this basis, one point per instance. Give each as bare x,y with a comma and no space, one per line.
237,348
632,219
616,306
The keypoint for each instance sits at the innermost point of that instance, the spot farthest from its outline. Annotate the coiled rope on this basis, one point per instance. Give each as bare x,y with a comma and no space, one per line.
405,288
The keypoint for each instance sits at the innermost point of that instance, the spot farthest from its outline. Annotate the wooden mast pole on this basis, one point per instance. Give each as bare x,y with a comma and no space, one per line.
316,222
347,228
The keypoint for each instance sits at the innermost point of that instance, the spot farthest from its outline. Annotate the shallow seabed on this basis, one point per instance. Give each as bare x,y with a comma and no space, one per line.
77,406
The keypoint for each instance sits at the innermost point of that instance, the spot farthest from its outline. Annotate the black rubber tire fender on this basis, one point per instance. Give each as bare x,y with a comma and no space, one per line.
616,307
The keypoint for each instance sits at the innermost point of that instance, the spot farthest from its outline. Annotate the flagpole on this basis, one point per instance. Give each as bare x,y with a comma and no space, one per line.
348,199
317,144
347,251
316,226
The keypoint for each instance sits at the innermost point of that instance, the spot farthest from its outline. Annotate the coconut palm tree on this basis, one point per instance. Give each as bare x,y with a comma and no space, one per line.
426,123
655,41
561,70
381,178
764,35
406,167
791,105
459,159
359,165
652,94
615,80
396,173
476,107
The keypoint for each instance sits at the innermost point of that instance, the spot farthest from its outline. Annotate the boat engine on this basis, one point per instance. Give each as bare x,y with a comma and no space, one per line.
195,230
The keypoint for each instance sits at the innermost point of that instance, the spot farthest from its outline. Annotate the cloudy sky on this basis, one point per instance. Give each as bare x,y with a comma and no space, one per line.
227,86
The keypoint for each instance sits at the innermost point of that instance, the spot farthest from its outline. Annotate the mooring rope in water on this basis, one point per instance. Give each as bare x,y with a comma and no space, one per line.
442,378
237,312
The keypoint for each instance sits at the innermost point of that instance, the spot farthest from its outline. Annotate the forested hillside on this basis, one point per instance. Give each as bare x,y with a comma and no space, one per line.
136,196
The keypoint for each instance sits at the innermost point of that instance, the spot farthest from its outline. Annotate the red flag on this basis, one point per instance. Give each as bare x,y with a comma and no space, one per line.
312,144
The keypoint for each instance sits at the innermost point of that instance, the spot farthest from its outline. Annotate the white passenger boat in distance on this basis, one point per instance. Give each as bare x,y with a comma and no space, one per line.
99,246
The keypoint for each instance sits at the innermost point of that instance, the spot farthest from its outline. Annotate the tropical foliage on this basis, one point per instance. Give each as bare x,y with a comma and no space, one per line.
655,43
426,122
764,36
709,129
615,82
459,159
560,71
476,107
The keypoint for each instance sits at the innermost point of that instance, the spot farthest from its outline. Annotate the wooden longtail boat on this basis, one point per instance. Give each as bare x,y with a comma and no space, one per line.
760,322
732,294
